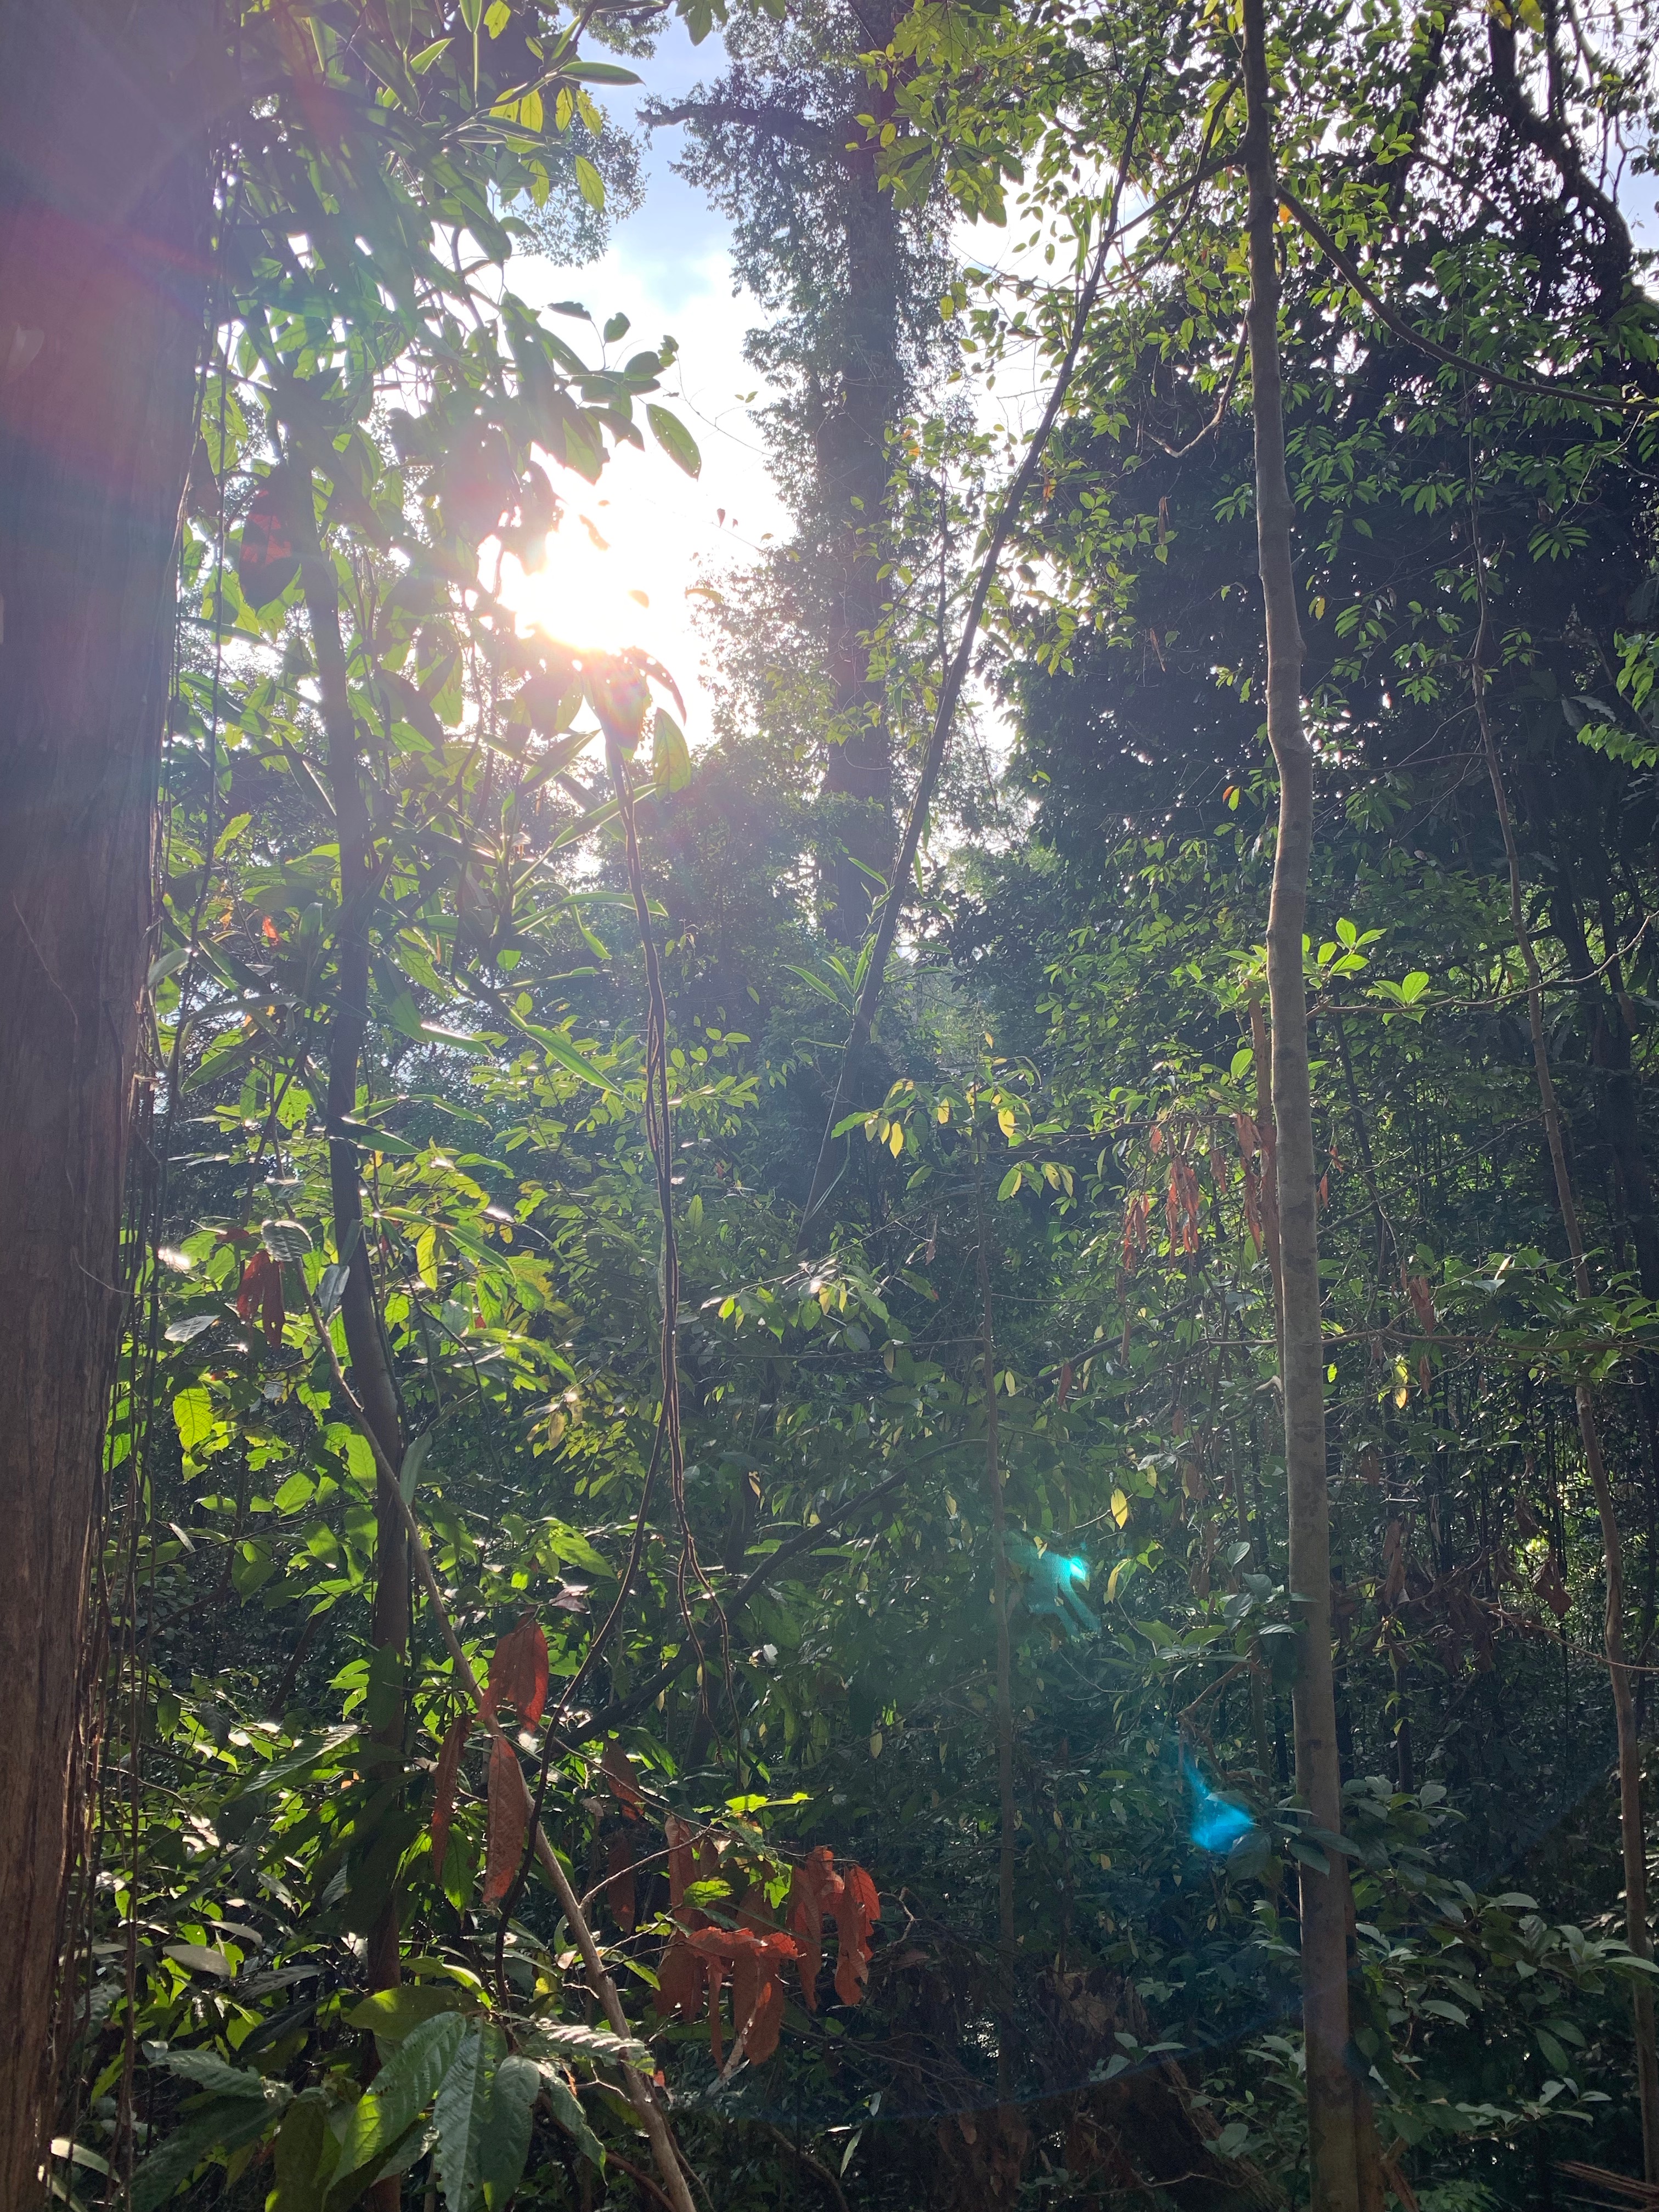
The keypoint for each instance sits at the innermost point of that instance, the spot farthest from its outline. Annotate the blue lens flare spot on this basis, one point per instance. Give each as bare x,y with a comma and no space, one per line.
1217,1824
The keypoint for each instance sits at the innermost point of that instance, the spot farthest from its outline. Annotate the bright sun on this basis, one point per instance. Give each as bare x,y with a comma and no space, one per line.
627,567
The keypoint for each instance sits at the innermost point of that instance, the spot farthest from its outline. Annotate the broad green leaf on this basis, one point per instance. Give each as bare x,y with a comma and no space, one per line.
506,2144
224,2125
676,440
288,1241
570,2116
400,2092
671,756
206,2070
589,183
462,2114
302,2167
193,1418
390,2015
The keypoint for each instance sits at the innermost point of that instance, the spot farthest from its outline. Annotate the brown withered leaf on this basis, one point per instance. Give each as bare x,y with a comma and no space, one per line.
1553,1588
679,1981
517,1673
617,1769
1394,1564
509,1818
619,1879
447,1775
682,1867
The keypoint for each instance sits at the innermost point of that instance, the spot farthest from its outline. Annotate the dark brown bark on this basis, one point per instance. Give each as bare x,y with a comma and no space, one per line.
103,203
1341,2150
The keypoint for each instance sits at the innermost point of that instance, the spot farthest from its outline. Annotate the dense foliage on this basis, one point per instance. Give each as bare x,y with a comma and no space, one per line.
926,1575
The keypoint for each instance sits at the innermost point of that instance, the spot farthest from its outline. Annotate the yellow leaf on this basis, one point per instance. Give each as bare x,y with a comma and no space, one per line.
1006,1121
943,1111
896,1139
1120,1509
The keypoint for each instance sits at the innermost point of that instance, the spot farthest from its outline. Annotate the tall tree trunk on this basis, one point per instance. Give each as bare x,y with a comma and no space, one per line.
103,204
1624,1702
1336,2135
851,448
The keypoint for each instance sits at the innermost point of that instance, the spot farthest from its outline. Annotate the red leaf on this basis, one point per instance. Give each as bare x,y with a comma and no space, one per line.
267,563
857,1912
517,1673
260,1292
509,1812
619,1881
443,1795
1064,1391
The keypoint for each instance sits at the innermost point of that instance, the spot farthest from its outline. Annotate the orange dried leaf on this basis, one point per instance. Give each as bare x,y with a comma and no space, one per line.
509,1811
448,1775
814,1890
857,1911
765,2021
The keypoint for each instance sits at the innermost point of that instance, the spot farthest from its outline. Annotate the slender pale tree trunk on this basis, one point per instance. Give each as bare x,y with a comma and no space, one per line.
372,1378
103,207
1338,2143
1624,1702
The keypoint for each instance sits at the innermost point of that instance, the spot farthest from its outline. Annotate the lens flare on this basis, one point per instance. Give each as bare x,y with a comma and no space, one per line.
1217,1823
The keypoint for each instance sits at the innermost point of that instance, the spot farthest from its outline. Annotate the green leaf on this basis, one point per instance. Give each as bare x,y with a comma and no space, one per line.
557,1046
287,1241
597,73
193,1418
676,440
414,1460
400,2092
391,2015
224,2125
670,757
302,2168
209,2071
553,2036
462,2114
569,2115
589,183
505,2145
422,63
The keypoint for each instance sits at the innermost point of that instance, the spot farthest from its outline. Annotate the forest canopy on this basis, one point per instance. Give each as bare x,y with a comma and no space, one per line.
903,1453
